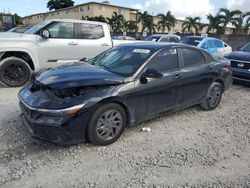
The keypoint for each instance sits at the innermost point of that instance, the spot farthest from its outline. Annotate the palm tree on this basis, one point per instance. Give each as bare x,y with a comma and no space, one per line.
96,18
147,22
116,22
230,17
86,18
100,18
214,23
151,26
247,21
191,23
131,26
167,21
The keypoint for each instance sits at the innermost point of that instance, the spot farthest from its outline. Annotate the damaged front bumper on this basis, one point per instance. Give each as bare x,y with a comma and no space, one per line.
56,129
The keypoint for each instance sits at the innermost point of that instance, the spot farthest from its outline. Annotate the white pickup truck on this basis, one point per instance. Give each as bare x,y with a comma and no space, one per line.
49,44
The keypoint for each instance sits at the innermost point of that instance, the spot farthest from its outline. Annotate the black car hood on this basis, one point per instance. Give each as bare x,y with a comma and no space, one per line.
78,75
240,55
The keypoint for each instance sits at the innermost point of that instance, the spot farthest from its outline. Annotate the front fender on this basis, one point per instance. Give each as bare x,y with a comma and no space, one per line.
33,55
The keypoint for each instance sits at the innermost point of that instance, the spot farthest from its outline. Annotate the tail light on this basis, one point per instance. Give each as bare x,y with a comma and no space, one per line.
229,67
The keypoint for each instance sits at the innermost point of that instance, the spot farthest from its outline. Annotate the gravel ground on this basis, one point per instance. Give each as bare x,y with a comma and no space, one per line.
190,148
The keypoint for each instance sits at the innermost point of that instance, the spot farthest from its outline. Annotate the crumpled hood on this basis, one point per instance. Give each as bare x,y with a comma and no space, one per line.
78,75
240,55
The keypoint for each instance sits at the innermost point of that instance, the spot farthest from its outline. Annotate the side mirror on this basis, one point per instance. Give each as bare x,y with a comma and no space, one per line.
83,59
152,73
45,34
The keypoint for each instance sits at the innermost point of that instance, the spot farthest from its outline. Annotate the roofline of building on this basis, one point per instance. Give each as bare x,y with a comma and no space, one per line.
76,6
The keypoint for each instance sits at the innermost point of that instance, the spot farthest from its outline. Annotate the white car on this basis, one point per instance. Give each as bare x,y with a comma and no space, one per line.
212,45
49,44
163,38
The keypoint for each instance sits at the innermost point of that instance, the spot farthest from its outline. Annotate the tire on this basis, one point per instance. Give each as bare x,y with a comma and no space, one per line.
100,127
213,96
14,72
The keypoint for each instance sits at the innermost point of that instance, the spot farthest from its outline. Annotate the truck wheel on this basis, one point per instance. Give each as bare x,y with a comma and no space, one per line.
14,72
107,124
213,96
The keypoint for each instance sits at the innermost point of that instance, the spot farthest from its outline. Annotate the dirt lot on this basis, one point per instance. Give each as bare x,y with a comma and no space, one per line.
190,148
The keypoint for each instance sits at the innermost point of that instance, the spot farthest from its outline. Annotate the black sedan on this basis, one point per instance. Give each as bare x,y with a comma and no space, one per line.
121,87
240,62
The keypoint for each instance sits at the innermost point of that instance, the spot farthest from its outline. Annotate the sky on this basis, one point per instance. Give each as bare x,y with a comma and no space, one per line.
180,8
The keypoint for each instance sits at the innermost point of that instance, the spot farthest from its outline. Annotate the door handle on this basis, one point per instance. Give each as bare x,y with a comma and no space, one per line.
209,67
104,44
177,76
72,44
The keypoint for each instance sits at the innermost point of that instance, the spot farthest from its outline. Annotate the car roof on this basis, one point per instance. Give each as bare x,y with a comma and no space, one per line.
162,35
153,45
195,37
200,37
76,21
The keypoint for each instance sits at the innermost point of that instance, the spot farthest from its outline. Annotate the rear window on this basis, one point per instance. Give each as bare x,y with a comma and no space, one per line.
218,44
192,57
153,38
91,31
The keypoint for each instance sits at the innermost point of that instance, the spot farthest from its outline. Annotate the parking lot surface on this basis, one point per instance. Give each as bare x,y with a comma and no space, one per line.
190,148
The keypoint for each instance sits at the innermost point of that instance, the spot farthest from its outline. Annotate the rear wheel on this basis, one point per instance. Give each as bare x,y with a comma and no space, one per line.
213,96
107,124
14,72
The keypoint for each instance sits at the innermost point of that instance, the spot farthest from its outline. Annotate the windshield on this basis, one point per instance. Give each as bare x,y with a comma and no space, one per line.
122,61
246,48
37,27
191,41
153,38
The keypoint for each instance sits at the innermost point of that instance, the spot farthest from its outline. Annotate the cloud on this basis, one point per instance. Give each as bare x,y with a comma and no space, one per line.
180,8
242,5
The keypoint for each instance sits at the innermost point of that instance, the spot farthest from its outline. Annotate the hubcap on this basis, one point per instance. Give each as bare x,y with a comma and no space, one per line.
14,74
215,96
109,125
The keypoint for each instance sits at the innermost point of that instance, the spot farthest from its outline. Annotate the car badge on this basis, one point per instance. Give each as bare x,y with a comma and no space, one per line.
241,65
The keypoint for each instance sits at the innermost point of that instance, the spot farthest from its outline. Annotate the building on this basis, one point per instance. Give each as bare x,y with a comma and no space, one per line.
90,9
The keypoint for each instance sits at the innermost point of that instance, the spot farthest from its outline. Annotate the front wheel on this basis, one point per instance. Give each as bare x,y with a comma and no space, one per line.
14,72
107,124
213,96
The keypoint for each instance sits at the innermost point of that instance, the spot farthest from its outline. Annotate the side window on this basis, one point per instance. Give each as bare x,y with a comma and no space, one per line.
165,60
173,39
62,30
165,39
91,31
192,57
218,44
210,44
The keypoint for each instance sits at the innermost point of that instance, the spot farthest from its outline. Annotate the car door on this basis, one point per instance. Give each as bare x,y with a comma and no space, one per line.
61,47
196,75
159,94
92,40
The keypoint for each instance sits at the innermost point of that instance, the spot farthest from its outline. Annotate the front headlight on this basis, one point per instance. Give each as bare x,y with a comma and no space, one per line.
62,112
